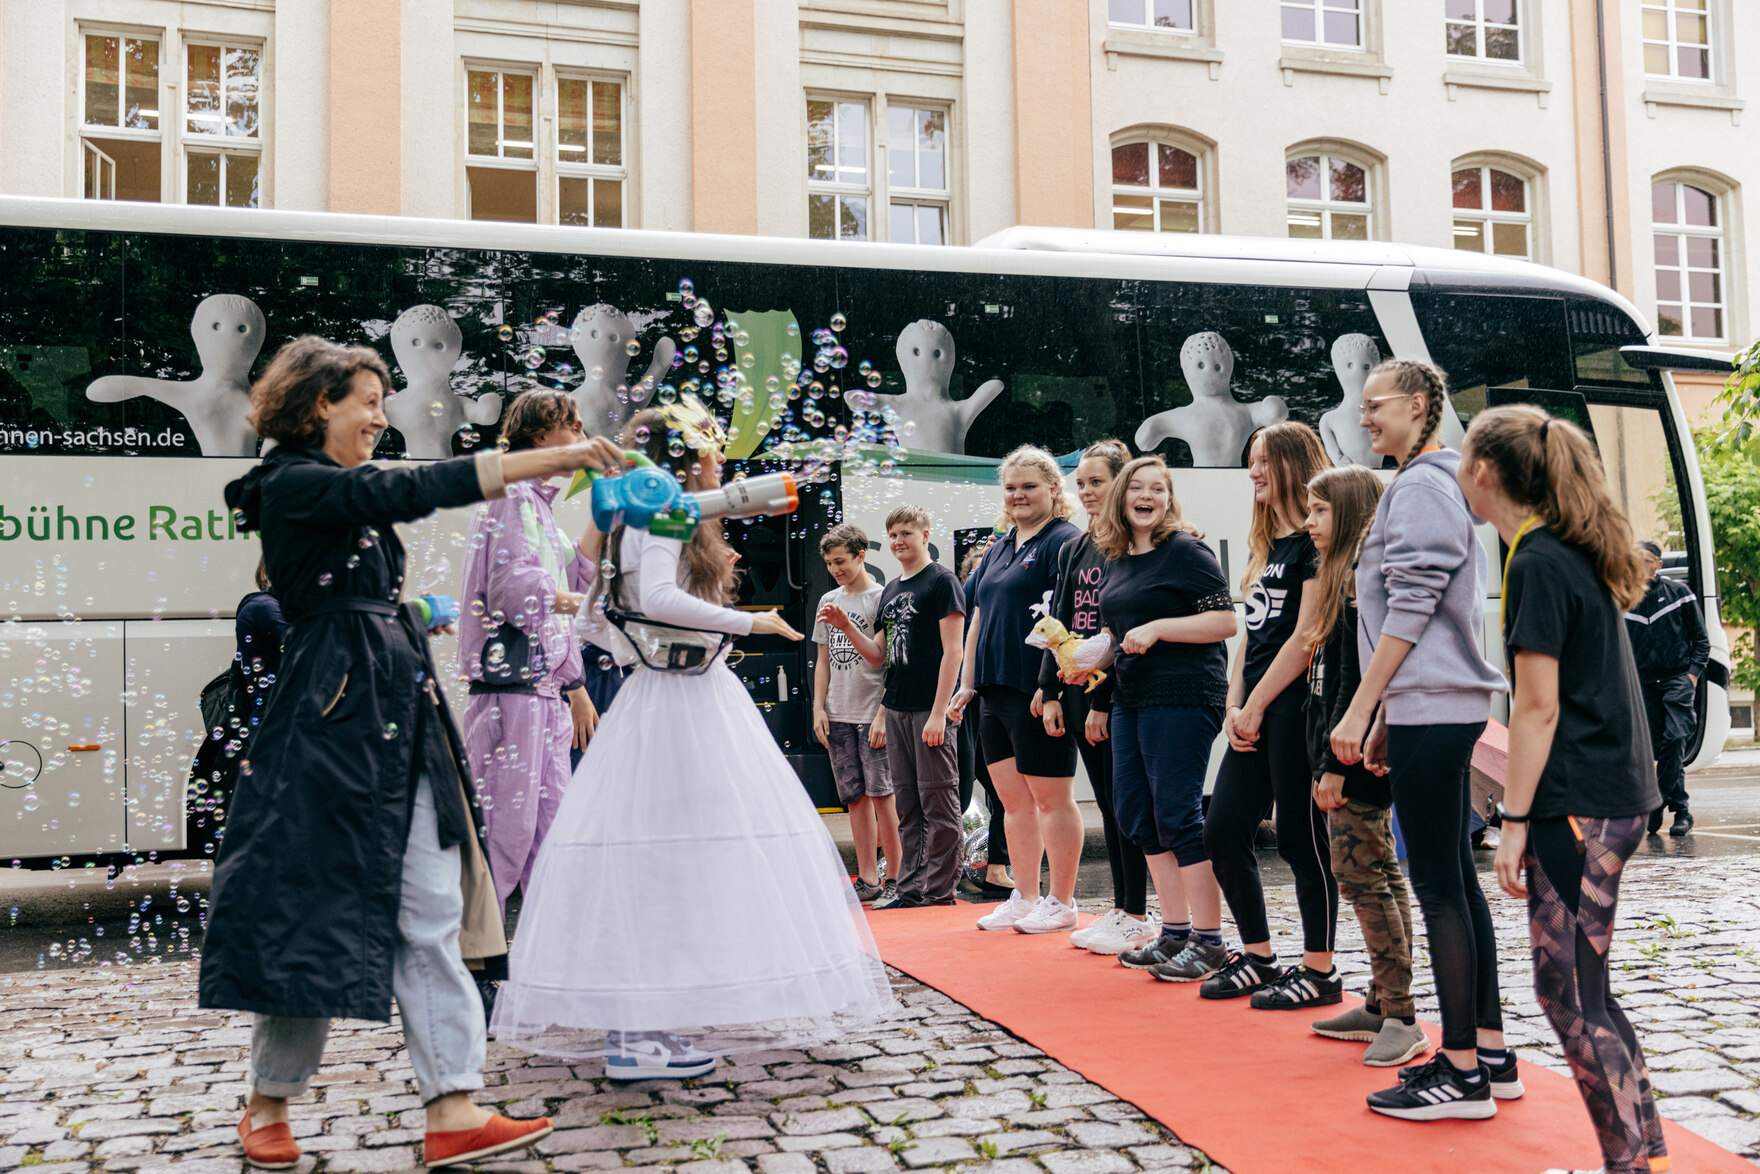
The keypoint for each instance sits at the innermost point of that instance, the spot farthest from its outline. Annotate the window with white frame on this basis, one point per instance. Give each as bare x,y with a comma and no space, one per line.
1492,212
917,187
1174,15
1687,223
222,112
1328,24
1156,187
1677,39
839,182
1328,198
1486,30
501,153
121,142
590,160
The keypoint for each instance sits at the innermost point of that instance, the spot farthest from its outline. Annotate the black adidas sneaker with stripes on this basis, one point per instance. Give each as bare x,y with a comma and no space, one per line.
1300,987
1506,1081
1243,975
1437,1091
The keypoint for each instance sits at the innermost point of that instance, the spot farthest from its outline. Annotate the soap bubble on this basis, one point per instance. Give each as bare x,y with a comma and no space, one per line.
686,285
505,334
390,730
634,348
838,322
532,358
874,378
324,579
839,356
30,800
704,314
436,409
793,329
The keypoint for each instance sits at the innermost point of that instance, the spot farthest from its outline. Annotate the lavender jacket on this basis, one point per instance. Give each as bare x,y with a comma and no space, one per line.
516,560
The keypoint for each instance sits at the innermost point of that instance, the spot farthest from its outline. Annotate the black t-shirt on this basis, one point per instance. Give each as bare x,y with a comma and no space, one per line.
1011,584
1076,604
1272,606
1600,765
910,613
1178,578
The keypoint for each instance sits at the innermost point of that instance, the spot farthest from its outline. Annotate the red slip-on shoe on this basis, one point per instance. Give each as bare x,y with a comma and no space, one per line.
497,1136
270,1148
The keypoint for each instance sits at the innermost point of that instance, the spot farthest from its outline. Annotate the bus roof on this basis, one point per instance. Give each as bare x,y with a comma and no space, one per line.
1025,250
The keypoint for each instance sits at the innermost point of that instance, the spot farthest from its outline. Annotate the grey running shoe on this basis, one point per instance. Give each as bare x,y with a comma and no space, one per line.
1359,1023
1396,1043
1199,960
866,893
1162,949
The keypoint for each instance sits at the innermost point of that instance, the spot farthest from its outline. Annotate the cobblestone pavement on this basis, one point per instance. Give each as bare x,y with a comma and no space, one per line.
116,1070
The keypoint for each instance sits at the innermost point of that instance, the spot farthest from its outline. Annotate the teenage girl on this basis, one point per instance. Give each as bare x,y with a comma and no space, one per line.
1033,772
684,811
1266,762
1421,593
1081,569
1358,802
1581,779
1168,610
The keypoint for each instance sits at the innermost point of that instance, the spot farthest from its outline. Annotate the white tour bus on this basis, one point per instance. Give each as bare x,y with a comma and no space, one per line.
129,335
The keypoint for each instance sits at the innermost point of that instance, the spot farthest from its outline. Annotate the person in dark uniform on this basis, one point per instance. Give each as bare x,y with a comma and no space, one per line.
1671,650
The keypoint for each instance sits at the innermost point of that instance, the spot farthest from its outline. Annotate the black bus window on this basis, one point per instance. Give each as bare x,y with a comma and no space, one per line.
1640,471
1252,343
1597,333
1487,340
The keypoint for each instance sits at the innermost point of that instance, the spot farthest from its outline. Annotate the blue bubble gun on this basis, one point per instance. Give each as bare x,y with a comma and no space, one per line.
651,499
437,610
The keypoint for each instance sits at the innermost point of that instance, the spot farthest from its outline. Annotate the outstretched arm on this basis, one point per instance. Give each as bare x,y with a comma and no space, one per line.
1156,429
664,601
113,389
485,409
980,399
642,391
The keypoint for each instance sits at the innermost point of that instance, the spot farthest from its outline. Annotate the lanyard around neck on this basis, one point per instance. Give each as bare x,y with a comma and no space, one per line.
1503,600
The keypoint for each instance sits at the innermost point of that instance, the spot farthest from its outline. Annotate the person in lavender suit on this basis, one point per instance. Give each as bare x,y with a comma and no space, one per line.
523,584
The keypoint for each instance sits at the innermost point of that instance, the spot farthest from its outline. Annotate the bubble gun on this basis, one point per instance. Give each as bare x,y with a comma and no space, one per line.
651,499
437,610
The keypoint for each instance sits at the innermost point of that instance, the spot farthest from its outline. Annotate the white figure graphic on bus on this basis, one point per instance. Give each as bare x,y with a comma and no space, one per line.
1214,425
1341,428
607,397
925,358
427,412
228,331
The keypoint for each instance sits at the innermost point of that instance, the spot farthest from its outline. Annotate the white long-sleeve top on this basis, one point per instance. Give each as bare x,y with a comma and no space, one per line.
651,577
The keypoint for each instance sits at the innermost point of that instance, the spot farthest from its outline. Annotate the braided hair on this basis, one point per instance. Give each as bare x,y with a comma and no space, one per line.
1416,377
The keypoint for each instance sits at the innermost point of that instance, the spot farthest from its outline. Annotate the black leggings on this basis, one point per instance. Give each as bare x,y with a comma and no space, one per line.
1571,939
973,768
1247,787
1430,768
1130,872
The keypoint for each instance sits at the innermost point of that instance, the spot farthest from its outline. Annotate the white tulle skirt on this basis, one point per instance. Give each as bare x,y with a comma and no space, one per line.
688,885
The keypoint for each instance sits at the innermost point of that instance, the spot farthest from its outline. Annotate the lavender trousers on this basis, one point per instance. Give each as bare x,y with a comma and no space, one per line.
517,744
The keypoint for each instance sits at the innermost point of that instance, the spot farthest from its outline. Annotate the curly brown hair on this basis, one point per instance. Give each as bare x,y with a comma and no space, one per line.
284,399
533,414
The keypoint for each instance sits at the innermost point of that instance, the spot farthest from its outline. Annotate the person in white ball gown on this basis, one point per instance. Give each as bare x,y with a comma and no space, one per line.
689,902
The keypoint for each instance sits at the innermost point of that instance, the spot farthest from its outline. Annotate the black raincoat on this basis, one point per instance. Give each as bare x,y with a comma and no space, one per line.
1669,643
302,920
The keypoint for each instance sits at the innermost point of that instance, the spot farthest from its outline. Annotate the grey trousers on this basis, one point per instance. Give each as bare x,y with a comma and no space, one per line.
925,782
442,1012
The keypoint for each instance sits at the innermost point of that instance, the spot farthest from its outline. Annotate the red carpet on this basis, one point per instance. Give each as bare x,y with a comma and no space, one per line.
1207,1069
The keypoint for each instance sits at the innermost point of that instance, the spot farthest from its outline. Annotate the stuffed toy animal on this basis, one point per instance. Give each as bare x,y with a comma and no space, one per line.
1077,658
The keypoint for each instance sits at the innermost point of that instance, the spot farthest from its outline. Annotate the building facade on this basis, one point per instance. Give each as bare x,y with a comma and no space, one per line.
1605,137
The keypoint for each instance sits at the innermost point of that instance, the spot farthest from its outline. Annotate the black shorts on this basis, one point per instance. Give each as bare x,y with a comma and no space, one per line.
1008,729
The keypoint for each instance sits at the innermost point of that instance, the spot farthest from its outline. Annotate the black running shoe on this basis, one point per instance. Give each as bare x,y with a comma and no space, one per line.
1242,975
1506,1082
1298,988
1683,823
1655,823
1162,949
1437,1091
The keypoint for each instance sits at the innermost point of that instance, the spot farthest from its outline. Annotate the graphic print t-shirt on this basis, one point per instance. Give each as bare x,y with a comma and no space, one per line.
853,693
1272,606
910,613
1600,765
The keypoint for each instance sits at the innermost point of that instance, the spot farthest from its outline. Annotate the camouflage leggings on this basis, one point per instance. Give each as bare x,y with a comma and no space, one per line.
1573,892
1367,869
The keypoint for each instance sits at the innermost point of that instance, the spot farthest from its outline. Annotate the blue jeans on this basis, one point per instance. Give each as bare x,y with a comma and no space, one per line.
1160,755
442,1012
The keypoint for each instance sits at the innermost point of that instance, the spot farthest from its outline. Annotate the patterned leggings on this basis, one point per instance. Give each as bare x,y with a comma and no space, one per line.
1573,868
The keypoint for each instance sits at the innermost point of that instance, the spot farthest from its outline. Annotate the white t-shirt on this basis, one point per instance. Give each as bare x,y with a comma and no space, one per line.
856,686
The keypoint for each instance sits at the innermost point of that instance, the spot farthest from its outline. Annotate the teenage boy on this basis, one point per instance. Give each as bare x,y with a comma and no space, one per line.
922,617
847,718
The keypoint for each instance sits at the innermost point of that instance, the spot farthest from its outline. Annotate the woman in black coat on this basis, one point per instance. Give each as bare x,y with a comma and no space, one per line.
353,867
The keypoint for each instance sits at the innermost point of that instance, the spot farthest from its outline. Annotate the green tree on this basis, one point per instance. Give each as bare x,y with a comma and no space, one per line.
1741,399
1732,498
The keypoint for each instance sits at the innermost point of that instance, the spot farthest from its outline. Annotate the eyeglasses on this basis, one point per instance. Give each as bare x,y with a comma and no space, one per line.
1369,405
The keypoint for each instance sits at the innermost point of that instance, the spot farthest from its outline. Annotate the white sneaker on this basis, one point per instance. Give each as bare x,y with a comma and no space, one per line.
1049,916
1006,914
633,1055
1105,924
1128,934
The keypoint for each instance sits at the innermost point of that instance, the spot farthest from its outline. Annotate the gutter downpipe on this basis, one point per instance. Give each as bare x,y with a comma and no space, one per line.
1606,142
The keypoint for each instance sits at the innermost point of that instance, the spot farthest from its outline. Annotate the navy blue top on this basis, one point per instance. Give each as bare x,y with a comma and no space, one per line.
1014,592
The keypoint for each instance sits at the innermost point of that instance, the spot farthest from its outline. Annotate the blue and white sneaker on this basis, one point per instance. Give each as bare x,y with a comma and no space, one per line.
653,1055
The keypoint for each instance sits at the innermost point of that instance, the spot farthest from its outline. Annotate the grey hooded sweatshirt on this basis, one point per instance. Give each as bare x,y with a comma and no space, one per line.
1421,578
